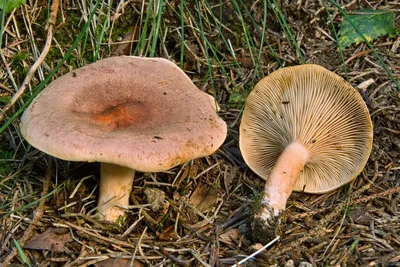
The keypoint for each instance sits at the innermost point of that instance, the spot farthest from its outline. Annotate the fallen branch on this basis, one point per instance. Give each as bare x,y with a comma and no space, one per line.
39,61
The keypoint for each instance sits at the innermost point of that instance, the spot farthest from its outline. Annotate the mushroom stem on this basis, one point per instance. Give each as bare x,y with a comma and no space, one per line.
283,177
115,187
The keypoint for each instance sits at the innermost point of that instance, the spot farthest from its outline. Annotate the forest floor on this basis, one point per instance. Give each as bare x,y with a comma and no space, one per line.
47,205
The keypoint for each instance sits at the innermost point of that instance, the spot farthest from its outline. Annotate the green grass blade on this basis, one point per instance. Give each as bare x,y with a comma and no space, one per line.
157,28
264,27
21,253
141,47
102,32
249,43
222,37
203,37
40,87
33,203
3,15
224,40
336,38
216,54
282,21
262,32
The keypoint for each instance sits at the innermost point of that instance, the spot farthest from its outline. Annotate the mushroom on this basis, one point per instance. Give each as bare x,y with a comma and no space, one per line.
303,128
129,113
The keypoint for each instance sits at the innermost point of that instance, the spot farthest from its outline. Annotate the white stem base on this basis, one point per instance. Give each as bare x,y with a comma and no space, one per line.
115,188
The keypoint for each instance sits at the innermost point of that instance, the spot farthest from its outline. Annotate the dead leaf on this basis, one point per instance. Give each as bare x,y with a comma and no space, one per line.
168,234
189,171
360,215
124,46
204,197
155,197
53,239
118,262
230,237
192,51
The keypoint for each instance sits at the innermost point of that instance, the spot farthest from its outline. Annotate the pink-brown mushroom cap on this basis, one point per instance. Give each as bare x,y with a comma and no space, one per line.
141,113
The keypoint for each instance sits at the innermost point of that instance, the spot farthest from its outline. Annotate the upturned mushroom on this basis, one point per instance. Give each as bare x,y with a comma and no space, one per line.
129,113
304,128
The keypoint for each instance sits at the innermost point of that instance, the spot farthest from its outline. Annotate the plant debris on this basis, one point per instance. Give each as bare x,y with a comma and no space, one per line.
225,47
53,239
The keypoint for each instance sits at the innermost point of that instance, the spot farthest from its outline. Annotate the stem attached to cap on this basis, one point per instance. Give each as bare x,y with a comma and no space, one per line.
283,177
115,188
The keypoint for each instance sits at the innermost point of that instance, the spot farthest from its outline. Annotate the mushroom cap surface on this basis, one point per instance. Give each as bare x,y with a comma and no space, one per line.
141,113
316,108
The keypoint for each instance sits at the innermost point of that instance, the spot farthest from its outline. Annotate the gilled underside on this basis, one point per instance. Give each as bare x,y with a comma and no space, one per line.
303,128
314,108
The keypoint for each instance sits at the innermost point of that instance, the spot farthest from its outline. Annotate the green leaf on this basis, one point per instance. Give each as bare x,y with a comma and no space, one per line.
371,23
11,4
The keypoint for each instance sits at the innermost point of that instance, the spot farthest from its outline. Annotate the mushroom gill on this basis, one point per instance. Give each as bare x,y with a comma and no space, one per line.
304,129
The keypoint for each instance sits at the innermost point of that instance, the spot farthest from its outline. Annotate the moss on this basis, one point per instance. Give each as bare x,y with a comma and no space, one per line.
53,54
237,98
121,221
20,56
18,64
5,166
4,99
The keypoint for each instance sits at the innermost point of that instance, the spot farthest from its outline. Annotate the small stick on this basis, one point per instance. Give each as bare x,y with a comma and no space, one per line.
365,52
257,252
377,195
175,260
39,61
36,218
145,214
98,236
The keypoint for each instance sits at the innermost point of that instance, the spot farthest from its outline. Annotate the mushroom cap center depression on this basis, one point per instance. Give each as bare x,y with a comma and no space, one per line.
141,110
120,115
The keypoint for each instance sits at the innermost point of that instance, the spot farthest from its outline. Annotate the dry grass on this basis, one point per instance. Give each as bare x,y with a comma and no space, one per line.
203,220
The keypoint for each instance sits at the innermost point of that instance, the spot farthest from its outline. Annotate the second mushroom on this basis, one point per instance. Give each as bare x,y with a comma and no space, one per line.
303,128
129,113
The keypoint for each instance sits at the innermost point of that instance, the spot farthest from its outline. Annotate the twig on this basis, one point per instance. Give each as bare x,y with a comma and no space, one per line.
362,53
257,252
145,214
175,260
198,258
36,218
377,195
138,244
340,227
8,70
96,235
39,61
